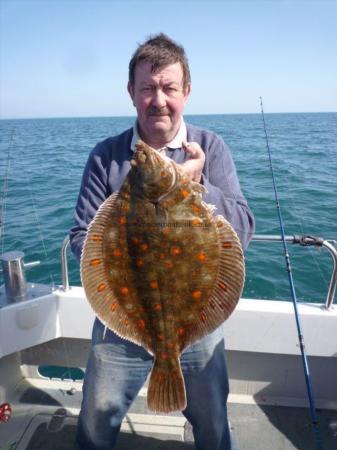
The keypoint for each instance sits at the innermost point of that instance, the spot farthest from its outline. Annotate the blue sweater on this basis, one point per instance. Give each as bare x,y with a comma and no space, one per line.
109,163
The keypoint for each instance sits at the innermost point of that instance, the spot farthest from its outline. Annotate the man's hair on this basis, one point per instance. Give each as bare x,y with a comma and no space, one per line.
160,51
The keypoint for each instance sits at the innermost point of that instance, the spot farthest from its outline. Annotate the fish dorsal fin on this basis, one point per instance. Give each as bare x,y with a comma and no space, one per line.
100,293
228,285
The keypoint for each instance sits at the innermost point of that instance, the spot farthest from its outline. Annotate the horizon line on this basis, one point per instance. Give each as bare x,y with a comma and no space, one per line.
184,115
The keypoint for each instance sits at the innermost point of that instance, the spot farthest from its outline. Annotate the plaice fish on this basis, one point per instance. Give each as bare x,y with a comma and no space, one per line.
160,269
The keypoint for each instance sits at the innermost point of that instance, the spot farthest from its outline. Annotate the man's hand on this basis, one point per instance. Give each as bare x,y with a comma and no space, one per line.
195,163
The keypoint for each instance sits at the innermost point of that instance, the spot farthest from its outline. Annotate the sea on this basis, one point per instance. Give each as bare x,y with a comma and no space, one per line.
41,165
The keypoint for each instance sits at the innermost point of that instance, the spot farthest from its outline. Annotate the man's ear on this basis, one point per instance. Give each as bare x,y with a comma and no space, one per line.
187,90
131,92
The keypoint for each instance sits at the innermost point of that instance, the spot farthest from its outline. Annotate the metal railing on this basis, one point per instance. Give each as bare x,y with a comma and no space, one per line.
302,240
305,241
64,264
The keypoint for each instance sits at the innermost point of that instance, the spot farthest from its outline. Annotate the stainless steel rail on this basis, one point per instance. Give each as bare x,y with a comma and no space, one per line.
296,239
310,241
333,280
64,264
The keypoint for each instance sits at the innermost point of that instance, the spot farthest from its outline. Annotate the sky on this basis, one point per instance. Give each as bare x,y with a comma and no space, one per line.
69,58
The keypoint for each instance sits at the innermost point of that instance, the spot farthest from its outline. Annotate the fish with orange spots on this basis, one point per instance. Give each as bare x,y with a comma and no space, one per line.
160,269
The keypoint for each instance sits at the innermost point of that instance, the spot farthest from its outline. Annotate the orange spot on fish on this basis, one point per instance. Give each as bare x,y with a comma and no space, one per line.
184,193
101,287
169,264
140,262
95,262
170,345
196,295
160,337
126,322
201,256
122,220
165,230
223,286
195,208
144,247
117,252
181,331
196,222
175,251
165,355
154,284
141,324
157,307
162,173
161,256
135,240
114,306
97,238
124,290
226,245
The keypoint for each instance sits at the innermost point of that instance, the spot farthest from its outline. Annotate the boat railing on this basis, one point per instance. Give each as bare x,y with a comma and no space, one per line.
303,240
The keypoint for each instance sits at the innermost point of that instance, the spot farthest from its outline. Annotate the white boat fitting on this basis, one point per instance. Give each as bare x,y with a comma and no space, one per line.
43,328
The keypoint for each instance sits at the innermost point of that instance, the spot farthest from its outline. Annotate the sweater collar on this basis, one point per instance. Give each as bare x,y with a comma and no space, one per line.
176,142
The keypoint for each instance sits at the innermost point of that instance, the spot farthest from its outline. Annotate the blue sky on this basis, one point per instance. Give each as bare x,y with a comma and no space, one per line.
61,58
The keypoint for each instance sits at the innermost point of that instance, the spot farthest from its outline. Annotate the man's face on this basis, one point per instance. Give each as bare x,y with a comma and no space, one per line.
159,98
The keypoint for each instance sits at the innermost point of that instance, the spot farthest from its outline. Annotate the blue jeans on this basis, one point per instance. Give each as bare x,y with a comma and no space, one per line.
116,371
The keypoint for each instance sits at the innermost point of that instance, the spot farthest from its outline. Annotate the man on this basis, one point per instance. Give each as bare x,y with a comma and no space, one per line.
159,86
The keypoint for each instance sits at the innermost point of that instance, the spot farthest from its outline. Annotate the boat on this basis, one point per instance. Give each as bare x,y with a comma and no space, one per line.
45,336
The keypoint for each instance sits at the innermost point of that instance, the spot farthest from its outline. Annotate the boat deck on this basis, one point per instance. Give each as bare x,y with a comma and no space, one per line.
267,405
45,416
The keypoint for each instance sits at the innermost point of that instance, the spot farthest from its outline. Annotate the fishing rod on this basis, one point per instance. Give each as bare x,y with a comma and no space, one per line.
313,413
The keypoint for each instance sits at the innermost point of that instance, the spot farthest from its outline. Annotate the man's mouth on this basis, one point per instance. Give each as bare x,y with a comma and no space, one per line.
158,113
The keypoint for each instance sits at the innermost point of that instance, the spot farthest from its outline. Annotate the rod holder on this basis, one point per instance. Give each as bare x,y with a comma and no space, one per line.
14,275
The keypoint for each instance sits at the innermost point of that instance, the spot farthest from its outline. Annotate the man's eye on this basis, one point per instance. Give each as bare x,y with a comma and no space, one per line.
172,91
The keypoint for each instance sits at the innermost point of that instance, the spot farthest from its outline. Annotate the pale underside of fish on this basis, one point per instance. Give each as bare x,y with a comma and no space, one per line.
160,269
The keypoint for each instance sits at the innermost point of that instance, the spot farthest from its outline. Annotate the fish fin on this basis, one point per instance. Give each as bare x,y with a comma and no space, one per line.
100,294
166,392
211,208
231,275
228,283
198,187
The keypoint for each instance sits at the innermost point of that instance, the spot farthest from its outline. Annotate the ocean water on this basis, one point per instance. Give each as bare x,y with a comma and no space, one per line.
41,164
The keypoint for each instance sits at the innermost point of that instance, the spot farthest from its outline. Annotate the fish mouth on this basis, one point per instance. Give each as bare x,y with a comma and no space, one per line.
145,153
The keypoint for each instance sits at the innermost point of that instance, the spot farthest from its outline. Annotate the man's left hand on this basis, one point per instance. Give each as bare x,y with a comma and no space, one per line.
195,163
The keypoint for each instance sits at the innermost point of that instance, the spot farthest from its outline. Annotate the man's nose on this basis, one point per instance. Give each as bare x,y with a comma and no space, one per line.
159,98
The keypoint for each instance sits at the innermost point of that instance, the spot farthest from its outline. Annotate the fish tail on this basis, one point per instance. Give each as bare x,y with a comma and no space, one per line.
166,391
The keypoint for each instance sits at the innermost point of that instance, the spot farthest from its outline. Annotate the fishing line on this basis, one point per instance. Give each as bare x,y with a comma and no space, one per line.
5,192
33,204
313,413
39,227
312,250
